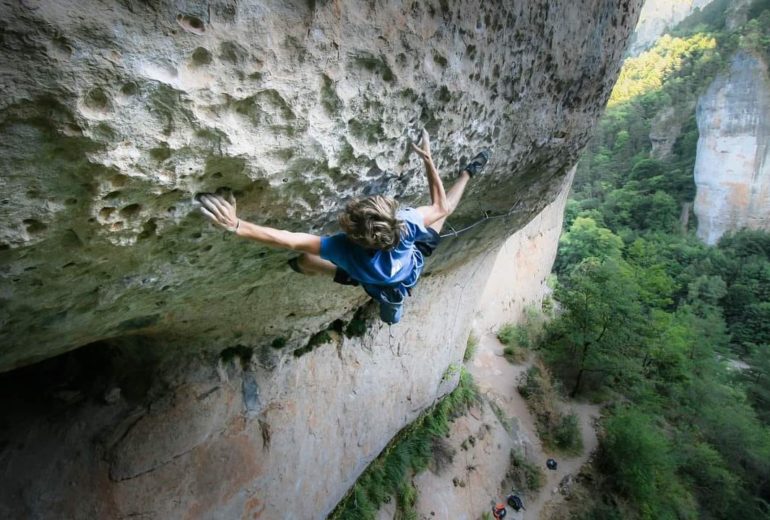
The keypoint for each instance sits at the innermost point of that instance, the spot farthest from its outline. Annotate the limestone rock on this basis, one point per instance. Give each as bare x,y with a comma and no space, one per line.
567,484
657,17
732,167
519,278
471,480
665,128
117,112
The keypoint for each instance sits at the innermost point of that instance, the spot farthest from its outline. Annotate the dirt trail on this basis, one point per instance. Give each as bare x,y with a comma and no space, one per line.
497,378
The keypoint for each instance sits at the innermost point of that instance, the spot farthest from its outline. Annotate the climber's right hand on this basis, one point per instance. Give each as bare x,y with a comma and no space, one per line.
220,211
424,149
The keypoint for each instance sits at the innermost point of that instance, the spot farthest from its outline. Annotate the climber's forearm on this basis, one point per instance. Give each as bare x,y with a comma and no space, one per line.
435,186
439,207
223,213
280,238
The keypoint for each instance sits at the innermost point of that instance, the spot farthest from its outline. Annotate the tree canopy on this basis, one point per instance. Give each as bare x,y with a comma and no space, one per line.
674,334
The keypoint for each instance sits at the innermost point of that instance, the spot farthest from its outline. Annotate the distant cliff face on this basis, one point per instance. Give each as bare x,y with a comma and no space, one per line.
657,17
216,383
732,169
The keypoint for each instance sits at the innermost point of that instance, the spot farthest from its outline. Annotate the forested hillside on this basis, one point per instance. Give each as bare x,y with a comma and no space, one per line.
672,334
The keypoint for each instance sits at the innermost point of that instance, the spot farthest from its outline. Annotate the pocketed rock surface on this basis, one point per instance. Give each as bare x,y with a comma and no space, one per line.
187,400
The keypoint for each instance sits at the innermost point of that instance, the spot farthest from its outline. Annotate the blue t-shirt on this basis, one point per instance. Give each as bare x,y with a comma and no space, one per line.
400,265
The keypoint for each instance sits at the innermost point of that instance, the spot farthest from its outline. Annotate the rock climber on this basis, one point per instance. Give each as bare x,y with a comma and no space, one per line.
499,511
382,248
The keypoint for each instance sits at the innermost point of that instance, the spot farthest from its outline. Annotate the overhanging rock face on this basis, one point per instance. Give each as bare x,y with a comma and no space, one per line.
116,114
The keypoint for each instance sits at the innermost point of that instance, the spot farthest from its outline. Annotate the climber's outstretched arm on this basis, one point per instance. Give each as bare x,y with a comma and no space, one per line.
304,242
223,213
439,207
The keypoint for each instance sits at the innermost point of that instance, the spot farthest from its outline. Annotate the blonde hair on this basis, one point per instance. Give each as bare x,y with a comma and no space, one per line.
371,222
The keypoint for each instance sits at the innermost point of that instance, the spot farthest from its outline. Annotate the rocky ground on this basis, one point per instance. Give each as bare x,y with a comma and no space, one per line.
466,479
497,379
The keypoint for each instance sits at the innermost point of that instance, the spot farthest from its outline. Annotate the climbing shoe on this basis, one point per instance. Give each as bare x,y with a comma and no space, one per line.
477,163
294,264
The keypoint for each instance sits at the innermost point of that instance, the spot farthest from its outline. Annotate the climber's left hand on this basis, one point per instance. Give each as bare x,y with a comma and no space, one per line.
219,210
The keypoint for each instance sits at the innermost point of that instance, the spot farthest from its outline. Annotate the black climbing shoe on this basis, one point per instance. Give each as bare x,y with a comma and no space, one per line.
477,163
294,264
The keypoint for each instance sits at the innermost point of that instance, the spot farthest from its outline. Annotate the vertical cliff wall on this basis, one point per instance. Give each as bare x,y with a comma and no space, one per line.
658,16
196,376
520,273
732,168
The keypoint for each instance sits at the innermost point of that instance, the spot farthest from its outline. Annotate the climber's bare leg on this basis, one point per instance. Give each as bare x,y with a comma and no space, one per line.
314,264
453,197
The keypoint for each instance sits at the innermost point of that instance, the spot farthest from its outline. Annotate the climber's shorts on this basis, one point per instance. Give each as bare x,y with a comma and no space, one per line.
341,276
426,246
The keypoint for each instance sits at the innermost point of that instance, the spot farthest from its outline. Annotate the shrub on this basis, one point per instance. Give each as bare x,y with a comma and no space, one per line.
638,460
406,498
547,306
355,328
566,434
509,334
470,347
529,333
532,385
556,430
602,511
358,325
450,371
514,355
524,474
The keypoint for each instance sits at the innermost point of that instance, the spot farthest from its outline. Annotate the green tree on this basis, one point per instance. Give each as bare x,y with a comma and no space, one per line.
646,169
655,317
722,416
757,381
585,239
639,460
717,487
599,331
